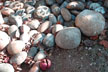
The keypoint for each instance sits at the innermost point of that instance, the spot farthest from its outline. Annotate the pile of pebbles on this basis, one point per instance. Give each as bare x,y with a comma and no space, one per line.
30,29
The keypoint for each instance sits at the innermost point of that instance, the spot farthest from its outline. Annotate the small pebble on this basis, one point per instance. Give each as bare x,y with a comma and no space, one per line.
60,19
32,32
64,4
1,19
59,1
50,2
25,37
52,18
94,6
100,10
32,52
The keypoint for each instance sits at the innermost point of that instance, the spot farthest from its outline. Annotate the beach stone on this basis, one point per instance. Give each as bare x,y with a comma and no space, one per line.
59,1
57,28
32,32
90,22
77,5
15,47
20,12
68,38
40,3
55,9
4,40
30,9
6,67
6,20
94,6
31,2
42,12
66,14
18,58
49,40
34,24
7,3
52,18
44,26
75,12
100,10
24,28
7,11
1,19
60,19
16,20
26,17
69,23
32,52
64,4
25,37
106,3
50,2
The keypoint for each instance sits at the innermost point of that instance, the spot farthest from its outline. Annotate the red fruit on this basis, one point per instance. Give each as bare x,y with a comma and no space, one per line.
45,64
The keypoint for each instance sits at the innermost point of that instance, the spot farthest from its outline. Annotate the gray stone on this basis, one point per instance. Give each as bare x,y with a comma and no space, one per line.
66,14
52,18
29,9
6,67
69,23
50,2
94,6
26,17
64,4
32,52
7,3
68,38
1,18
18,58
100,10
59,1
25,37
24,28
49,40
40,3
106,3
20,12
60,19
90,22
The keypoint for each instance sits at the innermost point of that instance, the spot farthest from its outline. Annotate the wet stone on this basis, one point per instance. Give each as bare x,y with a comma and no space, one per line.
52,18
50,2
66,14
32,52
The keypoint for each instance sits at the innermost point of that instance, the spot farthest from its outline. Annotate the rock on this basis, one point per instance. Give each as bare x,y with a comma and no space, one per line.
106,3
32,32
50,2
57,28
32,52
94,6
59,1
18,58
69,23
12,29
4,40
6,67
31,2
75,12
64,4
34,24
68,38
40,55
40,3
6,20
30,9
16,20
90,22
88,43
55,9
49,40
44,26
73,17
77,5
66,14
7,3
1,18
60,19
16,5
24,28
15,47
26,17
100,10
42,12
7,11
52,18
20,12
25,37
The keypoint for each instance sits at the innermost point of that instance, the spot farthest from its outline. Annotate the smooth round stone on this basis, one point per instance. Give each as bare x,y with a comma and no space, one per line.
77,5
18,58
12,29
90,22
6,67
44,26
1,19
16,20
20,12
4,40
32,52
100,10
7,11
69,23
55,9
24,28
59,1
75,12
32,32
94,5
25,37
60,19
42,12
6,20
15,47
16,5
106,3
34,24
64,4
49,40
66,14
68,38
57,28
40,3
50,2
52,18
30,9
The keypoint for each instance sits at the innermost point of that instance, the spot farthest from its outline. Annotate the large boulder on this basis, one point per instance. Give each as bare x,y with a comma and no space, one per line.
68,38
90,22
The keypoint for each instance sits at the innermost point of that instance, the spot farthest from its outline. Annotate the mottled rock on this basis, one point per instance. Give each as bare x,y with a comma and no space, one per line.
50,2
1,18
16,20
77,5
52,18
18,58
34,24
44,26
25,37
49,40
15,47
32,52
90,22
68,38
6,67
57,28
66,14
7,11
55,9
4,40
